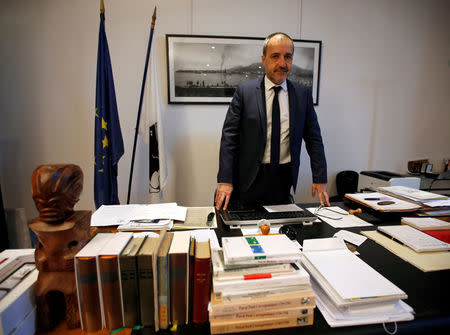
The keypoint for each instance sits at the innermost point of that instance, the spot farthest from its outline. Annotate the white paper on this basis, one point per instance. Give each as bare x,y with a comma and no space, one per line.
202,235
327,243
349,276
348,236
336,220
115,215
283,208
437,203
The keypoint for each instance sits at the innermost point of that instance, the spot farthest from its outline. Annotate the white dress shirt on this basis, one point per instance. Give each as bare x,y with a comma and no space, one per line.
285,156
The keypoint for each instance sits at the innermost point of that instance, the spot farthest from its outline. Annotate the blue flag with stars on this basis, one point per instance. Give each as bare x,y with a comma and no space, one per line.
108,136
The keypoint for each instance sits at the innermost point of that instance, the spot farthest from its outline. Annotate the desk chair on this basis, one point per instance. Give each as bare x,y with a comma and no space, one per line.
346,182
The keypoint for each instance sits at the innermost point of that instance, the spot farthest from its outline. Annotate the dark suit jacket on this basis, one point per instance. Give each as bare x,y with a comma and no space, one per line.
244,134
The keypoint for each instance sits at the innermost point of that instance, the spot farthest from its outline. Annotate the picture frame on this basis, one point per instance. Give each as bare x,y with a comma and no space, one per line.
204,69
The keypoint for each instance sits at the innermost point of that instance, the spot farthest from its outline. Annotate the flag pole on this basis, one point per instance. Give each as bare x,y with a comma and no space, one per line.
140,103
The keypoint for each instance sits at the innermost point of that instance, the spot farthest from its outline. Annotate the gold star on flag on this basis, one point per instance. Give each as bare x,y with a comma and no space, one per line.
96,109
104,124
105,142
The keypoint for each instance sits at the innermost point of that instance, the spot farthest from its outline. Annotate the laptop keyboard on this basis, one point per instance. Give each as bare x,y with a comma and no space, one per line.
253,217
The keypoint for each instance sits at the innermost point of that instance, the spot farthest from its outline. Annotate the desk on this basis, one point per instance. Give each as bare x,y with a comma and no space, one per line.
428,293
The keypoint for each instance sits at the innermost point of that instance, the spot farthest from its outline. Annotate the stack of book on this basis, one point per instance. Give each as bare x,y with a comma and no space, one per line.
18,277
348,291
258,285
130,279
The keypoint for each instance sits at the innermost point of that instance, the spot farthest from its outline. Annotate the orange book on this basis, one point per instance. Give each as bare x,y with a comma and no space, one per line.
88,295
243,325
111,291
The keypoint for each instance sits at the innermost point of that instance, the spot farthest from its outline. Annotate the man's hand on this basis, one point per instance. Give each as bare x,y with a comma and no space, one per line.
223,195
321,190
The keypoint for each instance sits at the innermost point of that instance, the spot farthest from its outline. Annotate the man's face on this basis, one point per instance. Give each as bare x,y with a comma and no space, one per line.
278,59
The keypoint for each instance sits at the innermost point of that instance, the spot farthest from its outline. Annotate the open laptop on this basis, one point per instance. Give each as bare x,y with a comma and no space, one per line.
251,216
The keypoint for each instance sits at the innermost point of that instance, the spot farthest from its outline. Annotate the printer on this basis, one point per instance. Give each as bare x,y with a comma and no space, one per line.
371,180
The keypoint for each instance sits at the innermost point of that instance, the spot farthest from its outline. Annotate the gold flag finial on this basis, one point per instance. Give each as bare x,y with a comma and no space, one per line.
154,18
102,7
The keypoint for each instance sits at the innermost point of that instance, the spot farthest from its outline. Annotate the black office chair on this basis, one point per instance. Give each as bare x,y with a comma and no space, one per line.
346,182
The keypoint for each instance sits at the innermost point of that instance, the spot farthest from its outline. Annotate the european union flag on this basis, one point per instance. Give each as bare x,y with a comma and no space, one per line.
108,136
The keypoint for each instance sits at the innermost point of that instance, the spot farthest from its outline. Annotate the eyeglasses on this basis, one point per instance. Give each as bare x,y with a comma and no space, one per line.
322,208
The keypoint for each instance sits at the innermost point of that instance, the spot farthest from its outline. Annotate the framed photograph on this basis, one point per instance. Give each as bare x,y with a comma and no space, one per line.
206,69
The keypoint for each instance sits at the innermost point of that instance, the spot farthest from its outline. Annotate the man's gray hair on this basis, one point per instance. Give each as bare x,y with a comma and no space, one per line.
266,41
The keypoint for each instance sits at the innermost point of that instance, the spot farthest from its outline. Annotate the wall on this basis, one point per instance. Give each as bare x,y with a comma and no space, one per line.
383,88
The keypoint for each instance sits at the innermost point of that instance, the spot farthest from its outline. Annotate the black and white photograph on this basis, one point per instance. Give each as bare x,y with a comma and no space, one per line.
206,69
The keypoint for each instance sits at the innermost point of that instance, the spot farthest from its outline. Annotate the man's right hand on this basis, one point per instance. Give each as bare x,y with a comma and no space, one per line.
223,195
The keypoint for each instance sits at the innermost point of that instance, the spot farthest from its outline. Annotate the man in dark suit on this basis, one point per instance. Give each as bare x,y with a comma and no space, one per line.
262,135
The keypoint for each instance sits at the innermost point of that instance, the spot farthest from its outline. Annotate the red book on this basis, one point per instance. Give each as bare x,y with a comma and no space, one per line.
443,235
202,282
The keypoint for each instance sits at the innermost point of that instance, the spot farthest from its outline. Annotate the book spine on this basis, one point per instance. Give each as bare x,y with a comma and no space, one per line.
260,293
130,294
302,300
191,278
276,313
163,291
109,276
146,290
270,282
202,287
178,288
250,262
88,294
225,327
234,273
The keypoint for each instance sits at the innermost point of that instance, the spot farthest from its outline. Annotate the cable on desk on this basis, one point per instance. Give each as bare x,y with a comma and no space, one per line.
390,332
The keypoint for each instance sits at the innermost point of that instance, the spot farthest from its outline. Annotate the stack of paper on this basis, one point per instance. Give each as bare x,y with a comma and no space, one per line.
383,202
426,223
348,291
138,217
256,286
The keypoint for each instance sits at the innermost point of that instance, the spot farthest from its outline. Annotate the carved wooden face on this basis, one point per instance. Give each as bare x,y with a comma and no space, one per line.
56,189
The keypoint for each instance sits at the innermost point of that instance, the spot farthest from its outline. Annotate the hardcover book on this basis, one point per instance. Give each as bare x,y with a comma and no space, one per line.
238,326
110,296
146,286
250,248
202,281
304,299
179,277
163,282
87,282
129,282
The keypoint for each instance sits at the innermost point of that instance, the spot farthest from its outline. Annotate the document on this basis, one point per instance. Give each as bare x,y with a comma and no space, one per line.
348,236
410,193
341,272
337,217
283,208
425,261
115,215
383,202
413,238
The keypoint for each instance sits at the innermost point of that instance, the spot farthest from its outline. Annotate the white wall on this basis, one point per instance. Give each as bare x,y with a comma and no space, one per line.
383,88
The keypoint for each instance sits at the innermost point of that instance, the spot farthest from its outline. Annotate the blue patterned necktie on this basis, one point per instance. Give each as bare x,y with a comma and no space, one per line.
275,138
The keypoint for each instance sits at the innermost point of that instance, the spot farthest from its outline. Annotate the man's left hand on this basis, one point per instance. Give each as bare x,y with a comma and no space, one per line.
321,190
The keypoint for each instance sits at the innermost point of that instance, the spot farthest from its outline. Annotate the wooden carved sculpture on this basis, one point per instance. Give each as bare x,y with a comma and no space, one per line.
61,232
